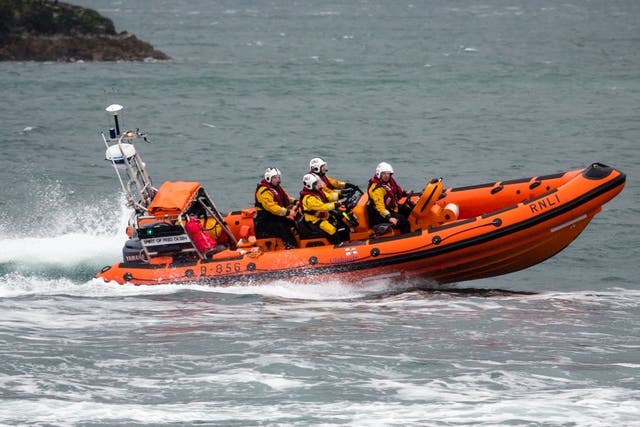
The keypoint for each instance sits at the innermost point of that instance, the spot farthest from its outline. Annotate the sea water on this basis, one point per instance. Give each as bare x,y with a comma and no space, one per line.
471,92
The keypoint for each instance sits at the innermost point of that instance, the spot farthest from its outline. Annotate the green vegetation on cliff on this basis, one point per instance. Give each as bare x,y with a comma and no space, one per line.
38,17
42,30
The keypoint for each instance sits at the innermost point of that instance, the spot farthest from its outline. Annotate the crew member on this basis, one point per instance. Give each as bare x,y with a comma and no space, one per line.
316,206
384,194
333,188
273,207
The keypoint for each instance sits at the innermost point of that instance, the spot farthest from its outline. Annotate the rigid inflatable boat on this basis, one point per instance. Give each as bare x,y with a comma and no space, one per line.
457,234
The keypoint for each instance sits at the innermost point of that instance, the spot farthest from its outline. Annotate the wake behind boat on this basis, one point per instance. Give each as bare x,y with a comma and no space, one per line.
457,234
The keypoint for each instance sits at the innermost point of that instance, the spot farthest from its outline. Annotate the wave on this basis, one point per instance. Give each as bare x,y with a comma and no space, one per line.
18,284
64,250
77,280
59,237
435,403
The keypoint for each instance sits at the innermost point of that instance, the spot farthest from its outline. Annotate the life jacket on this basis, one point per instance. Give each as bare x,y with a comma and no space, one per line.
392,189
313,193
202,241
279,194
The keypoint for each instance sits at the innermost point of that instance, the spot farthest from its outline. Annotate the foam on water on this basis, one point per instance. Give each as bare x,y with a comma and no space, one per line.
66,249
191,369
17,284
60,239
330,290
437,407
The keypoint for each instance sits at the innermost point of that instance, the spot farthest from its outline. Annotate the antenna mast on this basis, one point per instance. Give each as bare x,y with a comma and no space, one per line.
122,154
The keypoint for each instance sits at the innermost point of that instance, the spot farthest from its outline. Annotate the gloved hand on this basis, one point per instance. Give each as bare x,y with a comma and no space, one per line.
340,202
351,186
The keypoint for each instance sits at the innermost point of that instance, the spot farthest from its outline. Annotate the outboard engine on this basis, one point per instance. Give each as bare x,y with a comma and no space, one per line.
132,251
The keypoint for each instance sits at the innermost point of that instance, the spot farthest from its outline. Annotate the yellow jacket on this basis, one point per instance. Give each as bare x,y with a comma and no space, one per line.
315,209
266,198
377,195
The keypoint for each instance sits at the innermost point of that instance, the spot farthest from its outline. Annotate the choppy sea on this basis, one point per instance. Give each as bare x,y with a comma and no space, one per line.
471,91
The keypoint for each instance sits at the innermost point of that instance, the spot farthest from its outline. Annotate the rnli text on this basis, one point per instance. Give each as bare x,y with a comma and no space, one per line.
543,204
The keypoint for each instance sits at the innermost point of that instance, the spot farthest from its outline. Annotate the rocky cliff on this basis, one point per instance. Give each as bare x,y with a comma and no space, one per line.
41,30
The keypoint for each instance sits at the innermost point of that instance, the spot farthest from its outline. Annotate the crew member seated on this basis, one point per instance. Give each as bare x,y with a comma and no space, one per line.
334,188
273,206
316,208
384,194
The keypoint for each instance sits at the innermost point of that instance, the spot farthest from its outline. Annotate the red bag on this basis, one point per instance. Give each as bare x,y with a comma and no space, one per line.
200,239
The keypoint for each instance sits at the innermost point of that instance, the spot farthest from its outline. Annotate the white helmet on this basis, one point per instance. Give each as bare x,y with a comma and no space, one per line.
269,173
383,167
310,181
316,165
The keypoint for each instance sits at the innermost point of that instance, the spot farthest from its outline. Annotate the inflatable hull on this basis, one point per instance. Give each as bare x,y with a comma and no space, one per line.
496,228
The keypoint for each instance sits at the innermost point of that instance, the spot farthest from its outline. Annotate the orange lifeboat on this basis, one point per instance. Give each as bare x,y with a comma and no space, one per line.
466,233
457,234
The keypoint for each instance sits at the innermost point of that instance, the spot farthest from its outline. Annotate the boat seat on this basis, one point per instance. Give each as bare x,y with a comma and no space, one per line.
361,212
311,235
306,231
382,228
